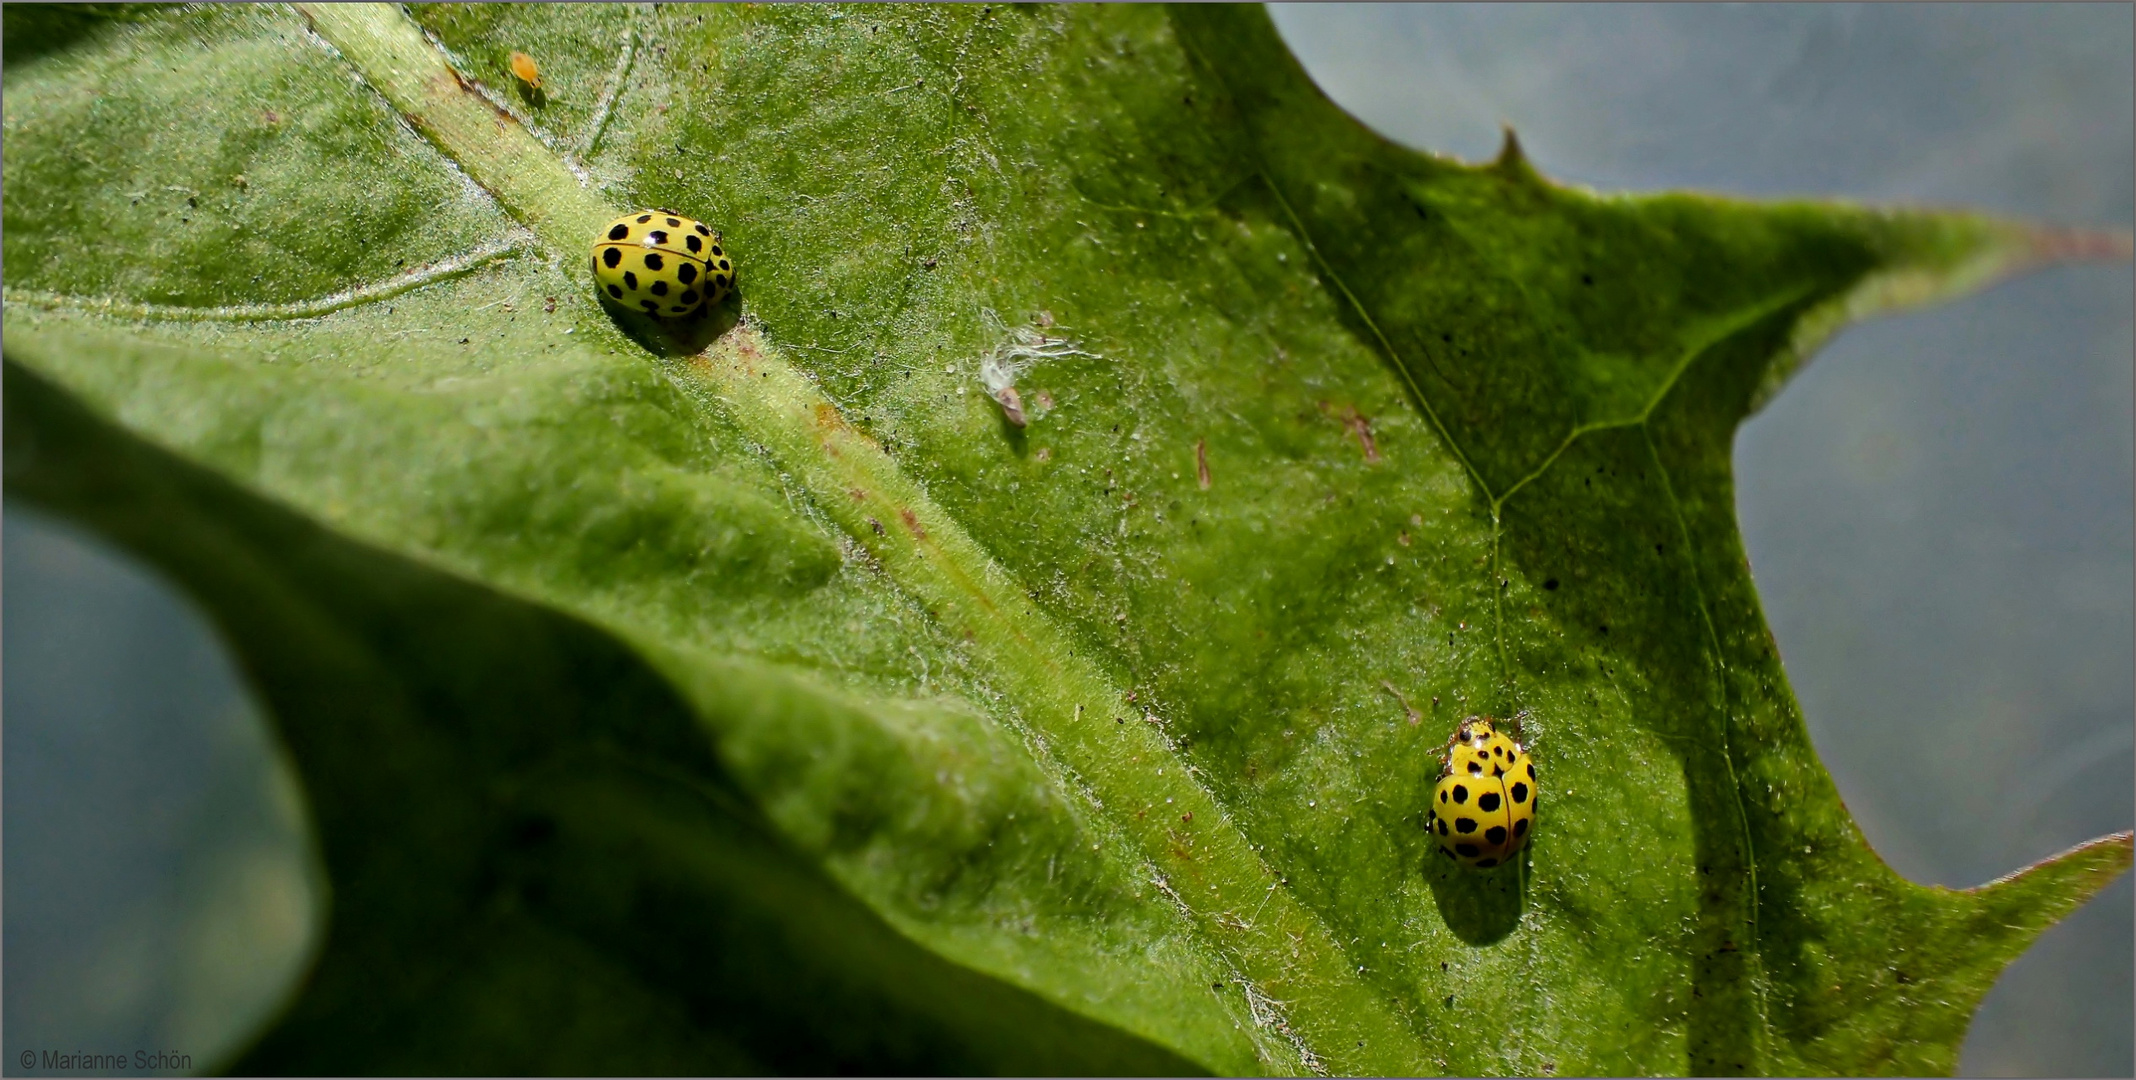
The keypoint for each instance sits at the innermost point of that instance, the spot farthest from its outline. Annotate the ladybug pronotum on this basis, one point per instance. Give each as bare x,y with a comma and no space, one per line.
1484,804
661,263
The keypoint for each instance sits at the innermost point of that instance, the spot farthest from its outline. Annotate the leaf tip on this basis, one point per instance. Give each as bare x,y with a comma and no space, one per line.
1510,154
2059,883
2052,245
1512,160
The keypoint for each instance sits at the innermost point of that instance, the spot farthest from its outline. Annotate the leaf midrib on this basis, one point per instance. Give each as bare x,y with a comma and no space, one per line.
1336,1021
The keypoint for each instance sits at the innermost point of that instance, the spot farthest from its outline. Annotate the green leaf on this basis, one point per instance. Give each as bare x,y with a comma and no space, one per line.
755,695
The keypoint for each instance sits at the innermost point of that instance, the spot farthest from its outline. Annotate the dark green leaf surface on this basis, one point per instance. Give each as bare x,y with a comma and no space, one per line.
756,697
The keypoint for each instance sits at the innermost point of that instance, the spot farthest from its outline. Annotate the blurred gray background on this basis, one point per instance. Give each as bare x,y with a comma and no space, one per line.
1938,513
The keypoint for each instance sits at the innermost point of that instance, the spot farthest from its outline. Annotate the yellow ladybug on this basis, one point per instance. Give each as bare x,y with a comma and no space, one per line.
1484,804
661,263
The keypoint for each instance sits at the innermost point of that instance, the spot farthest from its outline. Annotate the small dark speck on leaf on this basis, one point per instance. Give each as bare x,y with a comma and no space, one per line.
1587,279
463,341
1550,584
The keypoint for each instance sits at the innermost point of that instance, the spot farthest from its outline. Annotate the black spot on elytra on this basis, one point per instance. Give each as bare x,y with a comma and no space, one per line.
701,230
1487,802
1460,793
630,280
1531,770
1496,834
1520,792
674,224
643,218
615,290
650,305
1442,826
693,243
687,272
1475,768
1486,864
658,236
1442,796
716,252
1498,770
619,232
660,288
723,264
1446,853
612,256
689,296
653,261
1520,828
1471,851
677,310
1464,825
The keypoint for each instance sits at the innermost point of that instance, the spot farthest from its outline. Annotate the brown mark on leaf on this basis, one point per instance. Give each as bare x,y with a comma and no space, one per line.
859,494
876,525
1414,717
1359,424
1011,405
1201,463
827,417
912,523
1363,427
